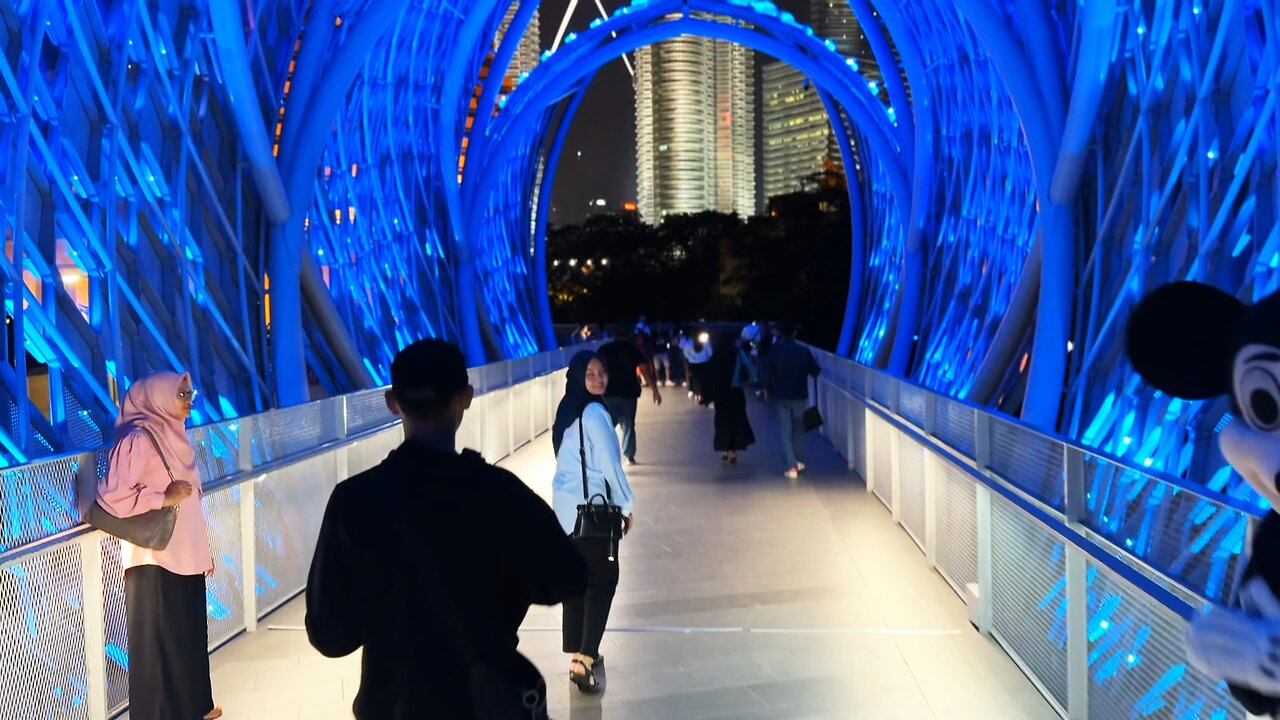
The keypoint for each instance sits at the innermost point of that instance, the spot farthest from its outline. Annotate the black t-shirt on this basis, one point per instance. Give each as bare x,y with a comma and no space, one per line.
391,531
621,358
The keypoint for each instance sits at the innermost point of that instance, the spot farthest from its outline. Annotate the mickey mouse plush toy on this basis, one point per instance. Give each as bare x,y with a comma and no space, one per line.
1193,341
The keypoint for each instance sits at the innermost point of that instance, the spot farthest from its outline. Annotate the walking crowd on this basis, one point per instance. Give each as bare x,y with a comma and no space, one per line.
430,561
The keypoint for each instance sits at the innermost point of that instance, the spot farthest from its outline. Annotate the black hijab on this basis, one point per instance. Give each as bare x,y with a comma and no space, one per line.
576,397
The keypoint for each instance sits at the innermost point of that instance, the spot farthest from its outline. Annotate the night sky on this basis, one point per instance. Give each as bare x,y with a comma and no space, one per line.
599,159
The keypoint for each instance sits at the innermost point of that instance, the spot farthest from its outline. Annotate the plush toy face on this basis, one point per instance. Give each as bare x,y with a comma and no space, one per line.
1193,341
1256,386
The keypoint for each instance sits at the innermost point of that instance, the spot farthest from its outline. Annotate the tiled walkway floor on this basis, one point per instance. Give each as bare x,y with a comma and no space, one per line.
743,595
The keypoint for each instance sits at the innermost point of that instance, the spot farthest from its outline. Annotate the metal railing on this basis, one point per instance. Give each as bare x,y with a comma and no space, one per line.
1084,568
266,480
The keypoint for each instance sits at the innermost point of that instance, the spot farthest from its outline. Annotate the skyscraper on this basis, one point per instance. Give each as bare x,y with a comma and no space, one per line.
798,139
526,57
695,128
797,134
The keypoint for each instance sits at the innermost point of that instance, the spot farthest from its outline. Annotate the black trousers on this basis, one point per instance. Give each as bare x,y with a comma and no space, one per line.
168,645
585,617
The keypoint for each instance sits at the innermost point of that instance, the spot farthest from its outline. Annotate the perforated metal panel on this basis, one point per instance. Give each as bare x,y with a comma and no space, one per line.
81,429
882,435
42,637
1194,540
217,447
496,405
911,494
538,398
911,401
521,424
281,433
367,410
116,637
837,416
955,425
471,432
858,422
38,500
224,598
290,503
1029,595
882,389
1137,665
369,451
957,512
1031,461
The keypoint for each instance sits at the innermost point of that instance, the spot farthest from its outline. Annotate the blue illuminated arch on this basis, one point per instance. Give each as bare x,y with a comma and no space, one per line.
645,24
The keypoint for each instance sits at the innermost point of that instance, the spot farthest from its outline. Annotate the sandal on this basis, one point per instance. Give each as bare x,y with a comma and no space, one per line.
586,682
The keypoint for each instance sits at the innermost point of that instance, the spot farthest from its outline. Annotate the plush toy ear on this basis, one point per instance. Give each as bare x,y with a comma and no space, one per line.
1181,339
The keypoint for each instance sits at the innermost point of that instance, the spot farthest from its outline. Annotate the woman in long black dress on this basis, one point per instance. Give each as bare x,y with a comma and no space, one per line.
728,372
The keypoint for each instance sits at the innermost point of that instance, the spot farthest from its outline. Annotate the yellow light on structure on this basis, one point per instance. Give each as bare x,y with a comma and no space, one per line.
354,169
337,216
351,213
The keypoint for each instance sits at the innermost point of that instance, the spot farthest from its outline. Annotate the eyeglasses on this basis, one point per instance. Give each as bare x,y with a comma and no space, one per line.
188,394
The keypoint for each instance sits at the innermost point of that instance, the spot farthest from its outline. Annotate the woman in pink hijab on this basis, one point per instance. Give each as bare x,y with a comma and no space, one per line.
164,589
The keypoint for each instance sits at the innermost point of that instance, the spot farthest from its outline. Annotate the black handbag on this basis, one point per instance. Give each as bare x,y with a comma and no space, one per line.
812,415
152,529
601,520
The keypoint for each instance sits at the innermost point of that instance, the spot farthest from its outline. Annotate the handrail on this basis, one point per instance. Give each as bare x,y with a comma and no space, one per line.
537,365
1190,486
1251,514
1142,583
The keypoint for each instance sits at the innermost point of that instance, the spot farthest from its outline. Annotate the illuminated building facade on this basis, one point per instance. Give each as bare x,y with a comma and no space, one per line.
798,138
695,128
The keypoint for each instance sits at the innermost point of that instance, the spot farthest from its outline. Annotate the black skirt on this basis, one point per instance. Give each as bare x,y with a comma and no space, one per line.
733,428
168,645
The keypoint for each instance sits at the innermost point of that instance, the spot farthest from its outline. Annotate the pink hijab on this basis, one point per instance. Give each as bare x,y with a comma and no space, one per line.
150,404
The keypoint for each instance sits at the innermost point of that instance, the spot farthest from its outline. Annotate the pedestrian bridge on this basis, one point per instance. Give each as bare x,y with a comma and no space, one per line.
935,560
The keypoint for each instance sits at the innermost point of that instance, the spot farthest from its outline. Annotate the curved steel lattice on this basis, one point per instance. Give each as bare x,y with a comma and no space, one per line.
983,200
371,170
129,231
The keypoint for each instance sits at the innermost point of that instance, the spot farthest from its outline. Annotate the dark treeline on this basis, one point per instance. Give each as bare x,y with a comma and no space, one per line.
793,263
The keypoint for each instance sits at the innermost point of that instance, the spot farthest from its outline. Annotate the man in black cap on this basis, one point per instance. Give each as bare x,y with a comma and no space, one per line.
430,560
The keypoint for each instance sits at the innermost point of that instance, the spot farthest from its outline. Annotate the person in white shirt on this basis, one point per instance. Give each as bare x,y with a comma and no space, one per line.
697,352
583,422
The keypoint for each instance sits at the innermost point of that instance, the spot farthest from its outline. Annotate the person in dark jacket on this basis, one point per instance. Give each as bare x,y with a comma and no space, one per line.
431,545
785,374
730,370
622,359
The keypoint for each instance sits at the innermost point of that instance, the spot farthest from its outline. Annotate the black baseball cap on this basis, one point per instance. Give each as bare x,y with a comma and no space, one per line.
428,373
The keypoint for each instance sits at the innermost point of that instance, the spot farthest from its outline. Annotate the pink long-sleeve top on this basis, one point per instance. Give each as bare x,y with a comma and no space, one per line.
135,483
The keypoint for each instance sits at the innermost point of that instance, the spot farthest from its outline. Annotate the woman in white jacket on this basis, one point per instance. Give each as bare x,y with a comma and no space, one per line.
583,421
